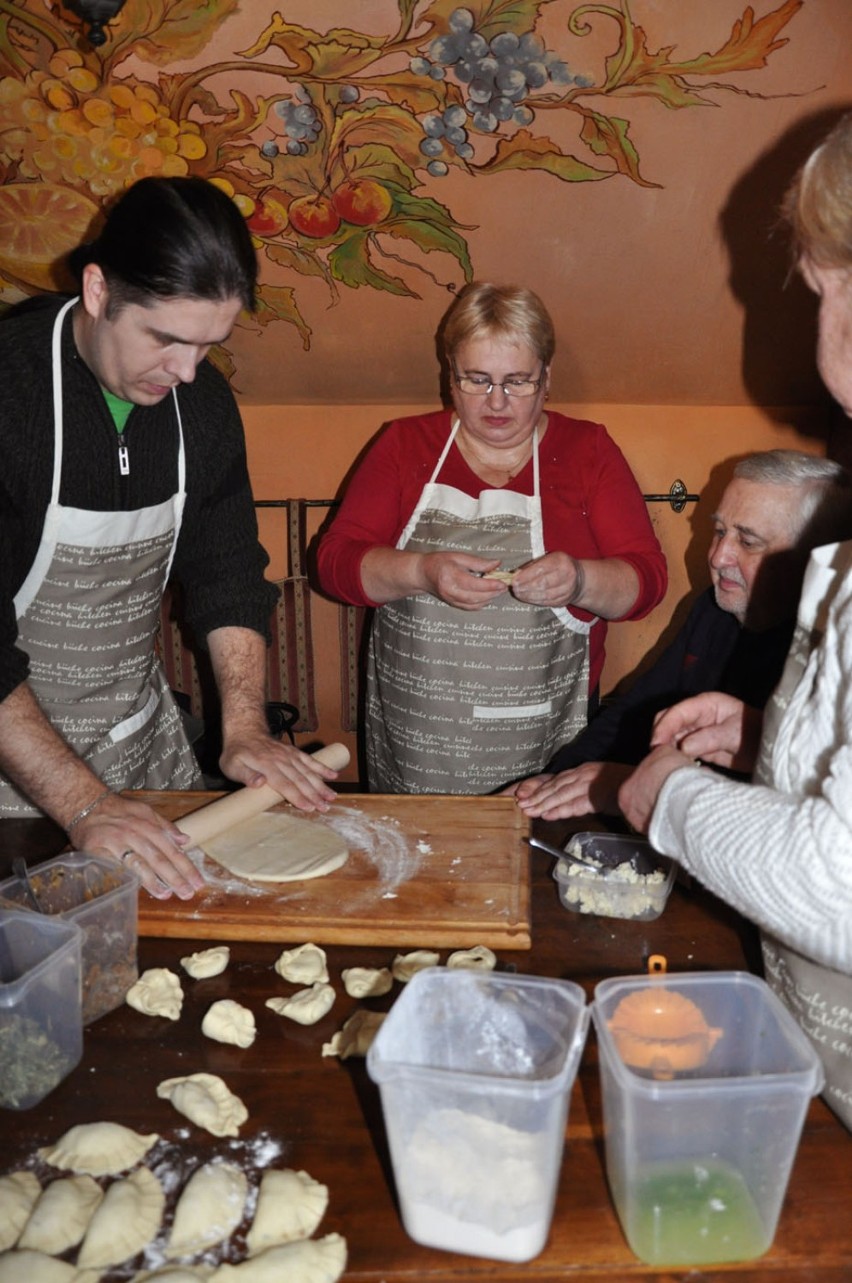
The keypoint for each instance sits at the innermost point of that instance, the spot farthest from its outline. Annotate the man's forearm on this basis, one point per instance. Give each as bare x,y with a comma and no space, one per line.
238,656
39,761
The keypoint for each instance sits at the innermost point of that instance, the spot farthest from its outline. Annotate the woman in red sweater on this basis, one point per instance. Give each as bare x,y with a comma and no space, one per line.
494,540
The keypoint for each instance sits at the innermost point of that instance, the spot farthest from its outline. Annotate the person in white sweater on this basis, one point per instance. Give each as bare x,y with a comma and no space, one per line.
780,848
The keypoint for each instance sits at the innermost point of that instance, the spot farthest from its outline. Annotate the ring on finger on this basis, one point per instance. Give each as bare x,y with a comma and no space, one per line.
126,855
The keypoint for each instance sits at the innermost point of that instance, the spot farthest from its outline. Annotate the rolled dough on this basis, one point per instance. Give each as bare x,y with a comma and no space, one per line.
277,847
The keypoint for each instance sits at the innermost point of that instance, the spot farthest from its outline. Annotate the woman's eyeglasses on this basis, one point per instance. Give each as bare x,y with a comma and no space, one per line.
483,385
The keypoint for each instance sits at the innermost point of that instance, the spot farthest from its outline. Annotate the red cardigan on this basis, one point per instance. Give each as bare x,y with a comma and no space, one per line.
591,506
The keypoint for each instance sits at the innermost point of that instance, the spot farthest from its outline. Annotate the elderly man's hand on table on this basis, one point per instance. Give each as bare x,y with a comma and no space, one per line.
582,790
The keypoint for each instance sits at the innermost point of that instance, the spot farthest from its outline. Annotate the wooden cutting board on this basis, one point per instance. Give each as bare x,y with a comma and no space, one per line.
429,871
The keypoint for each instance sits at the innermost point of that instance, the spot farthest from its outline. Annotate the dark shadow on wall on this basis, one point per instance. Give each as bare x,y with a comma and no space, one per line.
779,326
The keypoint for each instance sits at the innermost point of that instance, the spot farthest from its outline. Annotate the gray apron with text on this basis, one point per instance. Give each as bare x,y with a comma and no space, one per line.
819,997
465,701
87,617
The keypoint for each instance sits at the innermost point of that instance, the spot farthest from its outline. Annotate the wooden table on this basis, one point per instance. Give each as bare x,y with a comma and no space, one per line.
324,1115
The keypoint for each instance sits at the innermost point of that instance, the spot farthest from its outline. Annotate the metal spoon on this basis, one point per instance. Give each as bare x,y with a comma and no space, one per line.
20,870
561,854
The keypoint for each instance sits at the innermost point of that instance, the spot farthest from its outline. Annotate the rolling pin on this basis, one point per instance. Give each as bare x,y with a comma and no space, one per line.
225,812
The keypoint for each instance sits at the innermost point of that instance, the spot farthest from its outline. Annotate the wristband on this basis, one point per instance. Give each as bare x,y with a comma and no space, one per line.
87,810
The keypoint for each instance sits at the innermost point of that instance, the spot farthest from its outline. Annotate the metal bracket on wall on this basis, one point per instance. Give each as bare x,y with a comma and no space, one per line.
677,497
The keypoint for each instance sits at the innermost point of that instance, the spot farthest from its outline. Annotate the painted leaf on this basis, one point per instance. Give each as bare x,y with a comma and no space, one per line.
164,31
661,75
384,124
337,55
417,93
300,259
607,136
374,160
489,16
350,264
525,151
430,237
278,303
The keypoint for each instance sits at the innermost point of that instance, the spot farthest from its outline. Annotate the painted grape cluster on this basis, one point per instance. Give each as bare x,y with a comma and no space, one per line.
497,76
64,125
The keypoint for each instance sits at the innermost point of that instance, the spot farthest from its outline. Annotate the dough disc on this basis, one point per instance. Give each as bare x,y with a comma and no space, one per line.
276,847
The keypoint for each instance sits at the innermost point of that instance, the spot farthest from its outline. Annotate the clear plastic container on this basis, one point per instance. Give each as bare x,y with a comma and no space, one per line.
475,1072
101,897
634,880
698,1161
41,1028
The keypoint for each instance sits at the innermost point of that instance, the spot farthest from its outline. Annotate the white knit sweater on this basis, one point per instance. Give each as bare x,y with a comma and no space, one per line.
781,851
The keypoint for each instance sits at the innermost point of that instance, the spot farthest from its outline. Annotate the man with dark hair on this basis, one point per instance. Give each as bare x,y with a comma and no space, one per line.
778,506
124,463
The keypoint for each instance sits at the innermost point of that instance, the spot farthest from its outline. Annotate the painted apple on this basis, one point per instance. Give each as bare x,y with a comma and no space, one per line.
362,201
268,218
314,216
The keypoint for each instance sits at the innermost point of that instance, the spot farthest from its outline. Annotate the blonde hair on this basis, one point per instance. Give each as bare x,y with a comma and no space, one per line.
502,311
818,204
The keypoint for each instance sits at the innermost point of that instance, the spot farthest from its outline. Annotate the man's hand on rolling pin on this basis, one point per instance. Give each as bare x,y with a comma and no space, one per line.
147,843
261,759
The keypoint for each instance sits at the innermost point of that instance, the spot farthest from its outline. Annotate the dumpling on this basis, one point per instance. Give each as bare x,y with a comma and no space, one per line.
61,1216
126,1221
304,965
228,1021
479,958
355,1037
367,982
98,1149
305,1007
210,1207
207,962
38,1267
313,1260
290,1206
406,965
206,1101
18,1194
157,992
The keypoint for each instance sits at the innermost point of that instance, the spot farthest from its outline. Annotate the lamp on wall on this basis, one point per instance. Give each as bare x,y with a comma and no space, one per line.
95,13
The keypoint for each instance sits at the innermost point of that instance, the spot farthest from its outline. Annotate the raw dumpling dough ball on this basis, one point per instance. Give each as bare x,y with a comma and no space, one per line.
355,1037
304,966
61,1216
206,1101
207,962
290,1206
367,982
157,992
406,965
313,1260
305,1007
209,1209
98,1149
228,1021
127,1220
479,958
18,1194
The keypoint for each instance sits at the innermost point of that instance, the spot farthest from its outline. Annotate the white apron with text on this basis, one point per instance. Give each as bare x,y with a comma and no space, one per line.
87,617
465,701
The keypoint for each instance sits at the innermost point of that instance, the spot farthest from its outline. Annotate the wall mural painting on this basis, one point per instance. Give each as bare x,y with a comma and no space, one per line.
336,163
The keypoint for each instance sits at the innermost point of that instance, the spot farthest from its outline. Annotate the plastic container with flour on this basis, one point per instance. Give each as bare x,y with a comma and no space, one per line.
475,1073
